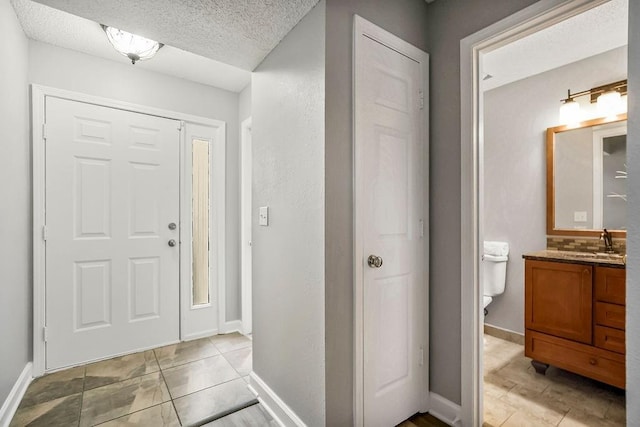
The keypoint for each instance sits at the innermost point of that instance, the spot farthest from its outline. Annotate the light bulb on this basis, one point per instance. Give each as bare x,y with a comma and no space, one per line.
570,112
610,103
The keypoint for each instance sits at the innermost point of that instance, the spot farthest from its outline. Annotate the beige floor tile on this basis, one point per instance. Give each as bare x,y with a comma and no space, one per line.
577,418
54,386
120,368
497,386
198,375
185,352
64,411
230,342
617,411
519,373
115,400
526,419
583,399
163,415
241,360
497,411
536,404
207,403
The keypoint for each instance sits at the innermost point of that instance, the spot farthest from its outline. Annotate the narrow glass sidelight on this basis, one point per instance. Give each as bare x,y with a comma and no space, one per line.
201,172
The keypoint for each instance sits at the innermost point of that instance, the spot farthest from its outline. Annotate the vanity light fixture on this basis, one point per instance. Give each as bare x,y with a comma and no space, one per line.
134,47
608,98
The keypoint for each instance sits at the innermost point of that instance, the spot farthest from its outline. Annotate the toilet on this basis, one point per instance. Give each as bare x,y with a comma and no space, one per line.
494,262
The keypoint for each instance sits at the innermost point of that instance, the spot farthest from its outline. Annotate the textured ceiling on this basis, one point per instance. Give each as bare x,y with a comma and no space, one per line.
596,31
237,32
45,24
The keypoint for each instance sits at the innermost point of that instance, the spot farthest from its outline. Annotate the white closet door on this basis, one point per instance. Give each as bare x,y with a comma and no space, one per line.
389,140
112,193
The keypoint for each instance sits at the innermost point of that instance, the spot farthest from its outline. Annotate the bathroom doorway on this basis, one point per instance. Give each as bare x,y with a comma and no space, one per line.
521,75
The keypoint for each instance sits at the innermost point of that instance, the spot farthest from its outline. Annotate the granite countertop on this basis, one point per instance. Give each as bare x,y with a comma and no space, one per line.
588,258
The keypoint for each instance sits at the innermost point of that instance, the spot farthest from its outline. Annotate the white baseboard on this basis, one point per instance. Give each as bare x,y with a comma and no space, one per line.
276,407
231,326
445,410
16,394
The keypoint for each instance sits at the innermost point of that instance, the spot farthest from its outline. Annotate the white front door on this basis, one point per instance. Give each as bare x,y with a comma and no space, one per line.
390,188
112,253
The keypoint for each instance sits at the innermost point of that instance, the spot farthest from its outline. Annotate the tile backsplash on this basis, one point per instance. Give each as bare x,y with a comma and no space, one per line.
584,244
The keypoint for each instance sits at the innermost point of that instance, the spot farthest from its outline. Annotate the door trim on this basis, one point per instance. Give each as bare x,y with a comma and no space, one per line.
521,24
38,94
246,164
362,27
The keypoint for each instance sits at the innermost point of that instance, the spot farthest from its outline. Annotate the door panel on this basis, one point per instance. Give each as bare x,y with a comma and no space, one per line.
112,188
390,139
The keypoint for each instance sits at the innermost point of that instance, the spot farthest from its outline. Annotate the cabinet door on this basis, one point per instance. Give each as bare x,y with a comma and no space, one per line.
558,299
610,284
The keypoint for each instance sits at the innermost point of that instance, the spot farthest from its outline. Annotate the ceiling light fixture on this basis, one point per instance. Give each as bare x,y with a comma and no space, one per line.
136,48
608,97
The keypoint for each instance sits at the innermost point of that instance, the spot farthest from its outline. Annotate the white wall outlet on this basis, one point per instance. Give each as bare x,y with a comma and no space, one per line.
263,218
580,216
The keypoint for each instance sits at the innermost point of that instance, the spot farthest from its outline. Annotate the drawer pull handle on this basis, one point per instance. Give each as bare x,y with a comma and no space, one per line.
593,361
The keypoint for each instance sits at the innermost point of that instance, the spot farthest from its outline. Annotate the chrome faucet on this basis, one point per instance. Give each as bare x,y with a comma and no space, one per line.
608,241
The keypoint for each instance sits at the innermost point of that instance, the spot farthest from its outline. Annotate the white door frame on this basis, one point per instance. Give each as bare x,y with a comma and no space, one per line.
521,24
38,94
246,164
363,27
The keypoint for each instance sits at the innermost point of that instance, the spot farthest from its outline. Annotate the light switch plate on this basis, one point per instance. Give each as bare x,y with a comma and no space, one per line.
263,218
580,216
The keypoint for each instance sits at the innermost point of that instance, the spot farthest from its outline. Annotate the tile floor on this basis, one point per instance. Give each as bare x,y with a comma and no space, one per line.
176,385
516,396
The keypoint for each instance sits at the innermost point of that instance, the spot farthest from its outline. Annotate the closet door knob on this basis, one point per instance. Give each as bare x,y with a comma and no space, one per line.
374,261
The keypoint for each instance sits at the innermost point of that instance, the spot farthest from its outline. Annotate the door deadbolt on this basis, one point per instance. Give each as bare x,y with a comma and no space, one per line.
374,261
172,226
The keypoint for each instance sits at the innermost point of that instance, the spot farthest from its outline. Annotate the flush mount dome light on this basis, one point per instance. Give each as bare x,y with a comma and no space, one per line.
134,47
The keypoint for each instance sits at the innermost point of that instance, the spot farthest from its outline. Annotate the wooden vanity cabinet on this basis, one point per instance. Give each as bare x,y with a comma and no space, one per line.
574,319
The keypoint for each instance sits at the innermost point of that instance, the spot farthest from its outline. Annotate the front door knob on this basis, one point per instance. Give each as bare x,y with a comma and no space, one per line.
374,261
172,243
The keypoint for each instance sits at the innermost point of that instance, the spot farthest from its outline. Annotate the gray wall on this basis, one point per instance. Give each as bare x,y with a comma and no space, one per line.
515,166
407,20
448,22
288,260
244,104
15,193
633,231
67,69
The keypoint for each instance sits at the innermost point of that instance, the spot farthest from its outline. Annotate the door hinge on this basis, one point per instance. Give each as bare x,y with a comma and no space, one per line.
421,225
45,231
44,131
421,99
180,125
45,334
421,356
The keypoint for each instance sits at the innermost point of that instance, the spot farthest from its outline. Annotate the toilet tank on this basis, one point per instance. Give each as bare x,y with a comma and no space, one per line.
494,262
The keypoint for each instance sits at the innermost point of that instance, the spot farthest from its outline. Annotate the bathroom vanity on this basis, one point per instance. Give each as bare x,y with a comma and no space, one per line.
575,313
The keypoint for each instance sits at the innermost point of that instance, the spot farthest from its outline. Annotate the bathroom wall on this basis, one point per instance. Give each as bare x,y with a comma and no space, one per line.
517,116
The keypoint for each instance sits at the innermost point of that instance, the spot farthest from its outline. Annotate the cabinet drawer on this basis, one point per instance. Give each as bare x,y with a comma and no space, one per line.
610,285
610,339
592,362
611,315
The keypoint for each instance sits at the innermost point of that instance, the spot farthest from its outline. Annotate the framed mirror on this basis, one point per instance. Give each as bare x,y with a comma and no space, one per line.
586,178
